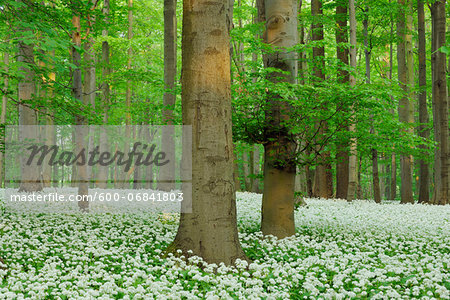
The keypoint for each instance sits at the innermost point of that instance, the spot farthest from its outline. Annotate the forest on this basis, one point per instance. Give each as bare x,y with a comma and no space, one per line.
260,149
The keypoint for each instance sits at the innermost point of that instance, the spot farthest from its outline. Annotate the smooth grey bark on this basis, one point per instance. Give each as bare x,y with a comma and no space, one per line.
102,176
440,103
374,152
404,105
323,178
3,110
80,119
342,155
353,161
30,179
210,231
167,174
424,131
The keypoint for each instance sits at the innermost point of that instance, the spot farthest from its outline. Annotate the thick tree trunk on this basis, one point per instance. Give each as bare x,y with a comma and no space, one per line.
324,179
210,231
353,161
404,104
279,167
440,103
424,132
102,176
342,154
167,173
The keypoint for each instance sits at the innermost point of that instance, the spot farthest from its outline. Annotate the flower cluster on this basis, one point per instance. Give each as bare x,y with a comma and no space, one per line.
341,250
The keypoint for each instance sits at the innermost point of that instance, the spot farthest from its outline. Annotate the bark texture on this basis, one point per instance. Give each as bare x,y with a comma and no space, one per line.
210,231
404,105
440,103
323,178
30,181
3,111
353,160
342,154
80,119
167,174
279,166
102,176
424,132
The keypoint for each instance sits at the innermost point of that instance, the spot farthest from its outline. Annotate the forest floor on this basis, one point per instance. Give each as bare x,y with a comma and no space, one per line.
341,250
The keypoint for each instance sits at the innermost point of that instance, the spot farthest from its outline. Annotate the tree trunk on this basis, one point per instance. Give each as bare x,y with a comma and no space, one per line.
148,169
353,161
167,173
49,130
279,166
404,105
80,129
246,168
256,169
324,177
30,181
123,176
424,132
237,181
342,155
89,90
210,231
367,54
3,112
137,180
102,176
440,103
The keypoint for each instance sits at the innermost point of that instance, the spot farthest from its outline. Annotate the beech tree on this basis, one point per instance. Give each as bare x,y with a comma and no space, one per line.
279,167
167,174
77,93
353,159
102,176
342,154
30,180
323,182
210,231
422,97
440,103
404,105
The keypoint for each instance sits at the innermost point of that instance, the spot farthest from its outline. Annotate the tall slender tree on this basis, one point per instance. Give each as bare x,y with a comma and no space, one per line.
342,154
167,173
103,170
3,110
30,180
404,103
323,178
77,94
353,159
440,103
424,132
374,152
